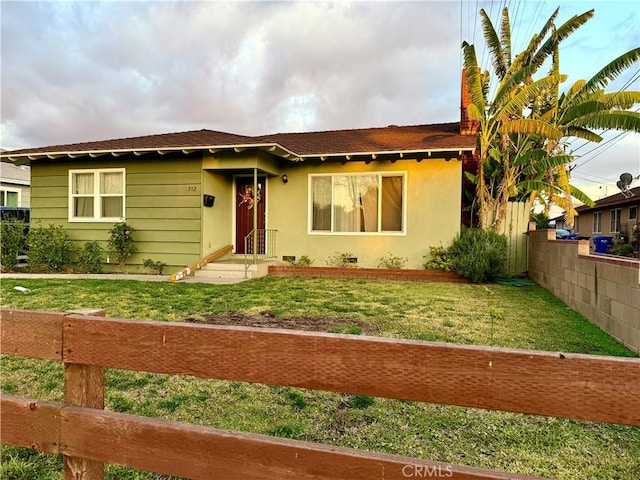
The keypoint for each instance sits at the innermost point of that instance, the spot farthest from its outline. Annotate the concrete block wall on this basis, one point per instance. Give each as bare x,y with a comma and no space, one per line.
603,289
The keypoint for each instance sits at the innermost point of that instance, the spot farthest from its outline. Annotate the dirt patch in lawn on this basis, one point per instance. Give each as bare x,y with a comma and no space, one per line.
268,320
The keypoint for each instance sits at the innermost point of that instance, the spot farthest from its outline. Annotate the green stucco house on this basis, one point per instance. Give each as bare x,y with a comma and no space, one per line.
370,192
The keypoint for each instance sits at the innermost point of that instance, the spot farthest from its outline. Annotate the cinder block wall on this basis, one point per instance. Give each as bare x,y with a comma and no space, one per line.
605,290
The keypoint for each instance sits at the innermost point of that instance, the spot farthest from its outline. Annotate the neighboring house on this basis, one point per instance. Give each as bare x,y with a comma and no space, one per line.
610,216
14,185
367,192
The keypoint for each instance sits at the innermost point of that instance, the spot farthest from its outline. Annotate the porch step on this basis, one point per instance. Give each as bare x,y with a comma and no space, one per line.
233,269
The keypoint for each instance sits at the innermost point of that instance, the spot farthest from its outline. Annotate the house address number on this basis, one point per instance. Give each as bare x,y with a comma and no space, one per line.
192,188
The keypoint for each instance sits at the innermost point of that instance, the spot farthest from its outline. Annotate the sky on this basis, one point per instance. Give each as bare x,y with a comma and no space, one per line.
83,71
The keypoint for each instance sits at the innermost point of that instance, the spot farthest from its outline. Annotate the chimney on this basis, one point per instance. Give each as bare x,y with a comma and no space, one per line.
467,126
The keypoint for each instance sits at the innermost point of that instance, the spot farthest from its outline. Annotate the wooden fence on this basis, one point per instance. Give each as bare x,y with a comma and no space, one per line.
597,388
515,226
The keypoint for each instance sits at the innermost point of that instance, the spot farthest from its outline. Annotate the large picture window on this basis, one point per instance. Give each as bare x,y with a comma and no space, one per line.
96,195
357,203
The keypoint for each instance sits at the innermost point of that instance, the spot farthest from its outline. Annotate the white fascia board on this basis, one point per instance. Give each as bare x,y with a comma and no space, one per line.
390,152
271,147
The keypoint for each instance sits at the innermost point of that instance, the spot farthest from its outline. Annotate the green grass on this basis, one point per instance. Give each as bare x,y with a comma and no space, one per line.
501,315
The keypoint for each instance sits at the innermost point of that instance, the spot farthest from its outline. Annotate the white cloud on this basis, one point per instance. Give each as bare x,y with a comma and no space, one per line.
80,71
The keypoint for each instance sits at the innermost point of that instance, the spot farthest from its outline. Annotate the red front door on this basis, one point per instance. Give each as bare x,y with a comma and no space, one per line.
246,202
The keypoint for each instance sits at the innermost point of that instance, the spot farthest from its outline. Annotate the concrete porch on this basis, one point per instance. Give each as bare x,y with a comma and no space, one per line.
234,269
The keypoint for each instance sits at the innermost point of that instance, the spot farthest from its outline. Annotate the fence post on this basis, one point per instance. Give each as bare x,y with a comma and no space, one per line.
83,387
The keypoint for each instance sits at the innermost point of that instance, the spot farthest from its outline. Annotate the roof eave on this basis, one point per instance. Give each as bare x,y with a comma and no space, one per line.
274,148
26,158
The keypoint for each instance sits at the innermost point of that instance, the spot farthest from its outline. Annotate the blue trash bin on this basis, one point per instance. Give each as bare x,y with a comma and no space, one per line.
601,244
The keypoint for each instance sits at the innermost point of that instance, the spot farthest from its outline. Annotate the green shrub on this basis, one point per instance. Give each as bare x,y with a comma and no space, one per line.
303,261
542,220
14,243
392,262
121,244
90,257
479,255
438,259
156,266
50,248
624,249
343,260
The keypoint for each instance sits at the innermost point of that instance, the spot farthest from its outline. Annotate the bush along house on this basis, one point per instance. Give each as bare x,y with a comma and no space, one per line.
369,192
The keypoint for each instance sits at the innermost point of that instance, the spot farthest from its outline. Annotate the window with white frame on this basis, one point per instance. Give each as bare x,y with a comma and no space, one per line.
10,197
633,212
96,195
597,222
616,214
357,203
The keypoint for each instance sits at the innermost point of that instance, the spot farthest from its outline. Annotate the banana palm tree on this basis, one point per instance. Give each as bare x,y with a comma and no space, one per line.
525,126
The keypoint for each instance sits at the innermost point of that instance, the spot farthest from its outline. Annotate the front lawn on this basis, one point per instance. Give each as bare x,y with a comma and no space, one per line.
500,315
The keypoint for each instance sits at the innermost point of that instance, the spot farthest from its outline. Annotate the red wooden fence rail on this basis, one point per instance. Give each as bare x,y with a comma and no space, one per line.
589,387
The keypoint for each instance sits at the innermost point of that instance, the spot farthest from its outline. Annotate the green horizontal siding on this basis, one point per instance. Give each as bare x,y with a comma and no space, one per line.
156,248
176,179
139,236
49,202
175,201
168,190
163,205
50,181
165,213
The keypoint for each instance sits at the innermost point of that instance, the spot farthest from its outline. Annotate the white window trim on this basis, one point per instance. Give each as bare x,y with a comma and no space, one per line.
379,233
13,190
96,195
613,225
599,216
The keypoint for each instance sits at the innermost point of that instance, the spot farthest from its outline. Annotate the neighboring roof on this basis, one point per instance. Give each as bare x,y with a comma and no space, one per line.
294,146
612,201
10,173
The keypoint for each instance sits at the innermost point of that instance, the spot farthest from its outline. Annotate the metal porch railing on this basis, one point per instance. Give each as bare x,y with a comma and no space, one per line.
259,244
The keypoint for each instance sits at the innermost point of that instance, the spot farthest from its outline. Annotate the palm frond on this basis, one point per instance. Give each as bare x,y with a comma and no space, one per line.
530,126
512,82
532,155
547,163
611,120
524,57
505,37
561,33
575,88
581,196
611,70
472,73
530,185
493,44
582,109
535,42
529,93
474,113
471,177
622,99
585,134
